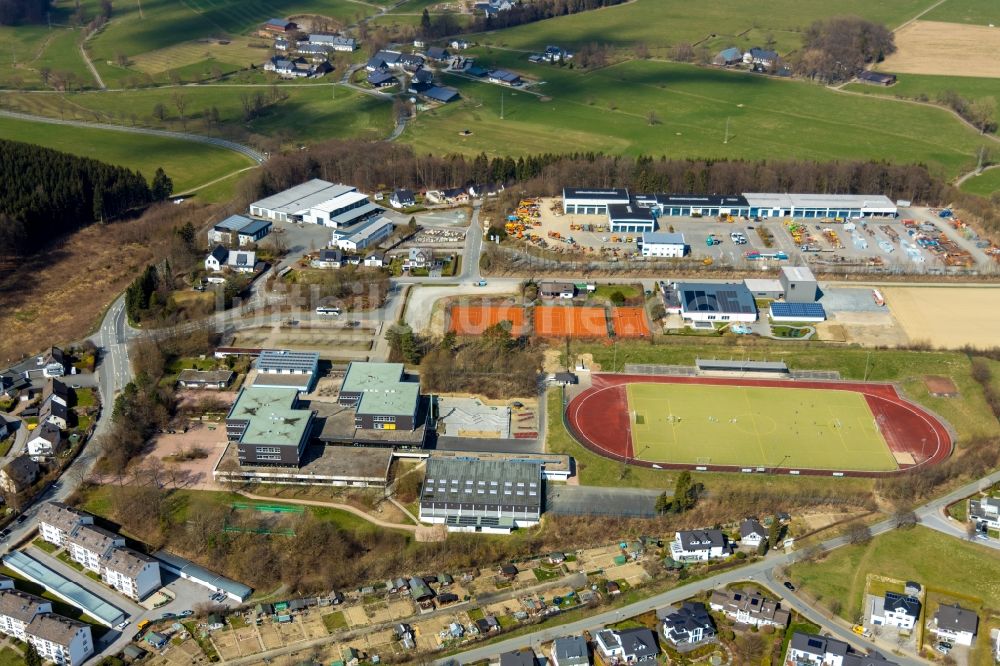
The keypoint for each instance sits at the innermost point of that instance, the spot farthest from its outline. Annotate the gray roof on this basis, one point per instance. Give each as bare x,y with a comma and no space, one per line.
751,526
232,223
821,646
95,539
638,643
902,603
469,480
662,237
571,651
956,618
49,432
61,516
400,399
254,226
366,376
753,603
693,540
200,573
21,605
798,274
525,657
718,298
285,360
55,628
688,618
719,364
22,470
375,78
192,376
331,255
127,561
302,197
365,230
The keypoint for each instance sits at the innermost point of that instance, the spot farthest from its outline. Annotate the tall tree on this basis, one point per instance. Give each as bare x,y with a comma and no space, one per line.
163,187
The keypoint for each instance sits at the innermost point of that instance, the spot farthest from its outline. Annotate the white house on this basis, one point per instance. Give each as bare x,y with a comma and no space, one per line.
54,411
715,302
374,261
130,572
985,513
699,546
57,521
18,608
629,646
45,441
418,258
402,199
752,533
216,259
690,624
54,363
663,244
749,608
88,544
895,610
334,42
240,261
956,624
821,651
60,640
328,259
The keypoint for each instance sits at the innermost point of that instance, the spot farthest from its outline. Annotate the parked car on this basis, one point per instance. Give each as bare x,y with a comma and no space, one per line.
21,519
789,586
185,613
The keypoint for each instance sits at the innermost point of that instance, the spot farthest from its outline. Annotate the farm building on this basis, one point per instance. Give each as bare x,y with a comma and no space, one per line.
380,79
799,284
438,54
877,78
662,244
764,287
237,228
715,302
334,42
474,495
269,427
442,94
277,26
317,202
503,77
630,218
282,368
592,201
728,56
366,234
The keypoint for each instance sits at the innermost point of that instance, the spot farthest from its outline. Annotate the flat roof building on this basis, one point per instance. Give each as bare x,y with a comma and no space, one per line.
188,570
382,397
317,202
716,302
767,204
474,495
630,218
586,201
369,233
296,369
269,427
799,284
662,244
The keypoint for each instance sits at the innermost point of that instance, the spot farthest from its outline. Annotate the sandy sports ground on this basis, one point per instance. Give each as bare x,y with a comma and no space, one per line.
947,316
932,47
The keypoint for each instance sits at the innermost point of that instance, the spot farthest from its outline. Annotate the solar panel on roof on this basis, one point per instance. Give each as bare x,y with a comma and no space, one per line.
797,310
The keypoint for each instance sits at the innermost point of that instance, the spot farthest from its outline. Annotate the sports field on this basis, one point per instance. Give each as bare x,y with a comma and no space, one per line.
629,322
558,321
755,427
474,319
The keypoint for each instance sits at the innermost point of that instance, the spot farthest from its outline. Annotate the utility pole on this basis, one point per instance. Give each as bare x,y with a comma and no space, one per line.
726,140
501,104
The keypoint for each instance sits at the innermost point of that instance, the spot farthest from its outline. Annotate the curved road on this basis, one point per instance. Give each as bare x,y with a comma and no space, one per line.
256,156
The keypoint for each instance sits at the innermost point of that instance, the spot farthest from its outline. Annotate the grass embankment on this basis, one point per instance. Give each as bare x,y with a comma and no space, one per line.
985,184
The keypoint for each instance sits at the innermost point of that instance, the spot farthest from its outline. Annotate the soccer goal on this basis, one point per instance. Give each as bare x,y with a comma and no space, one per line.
704,460
638,418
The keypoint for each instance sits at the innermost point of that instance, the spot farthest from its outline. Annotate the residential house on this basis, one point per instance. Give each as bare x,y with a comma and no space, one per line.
750,608
525,657
296,68
728,56
812,650
493,7
459,44
570,651
421,81
437,54
895,610
402,199
328,258
761,59
381,79
216,259
374,261
18,475
690,624
281,44
752,533
699,546
418,258
410,62
877,78
508,571
133,574
240,261
485,190
45,441
59,639
18,608
57,522
455,195
956,624
381,61
54,363
58,391
985,513
556,54
503,77
564,290
277,26
205,379
314,52
54,411
87,544
557,558
630,646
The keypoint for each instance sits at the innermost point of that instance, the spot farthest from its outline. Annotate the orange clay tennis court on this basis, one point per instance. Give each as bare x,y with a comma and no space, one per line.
474,319
571,322
629,322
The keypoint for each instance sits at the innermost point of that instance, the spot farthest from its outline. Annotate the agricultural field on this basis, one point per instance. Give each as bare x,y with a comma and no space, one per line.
29,48
659,24
952,49
752,426
985,184
978,12
683,110
925,87
940,562
302,115
189,164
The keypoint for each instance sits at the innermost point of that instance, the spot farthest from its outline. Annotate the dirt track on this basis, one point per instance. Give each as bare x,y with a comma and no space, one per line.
947,316
951,49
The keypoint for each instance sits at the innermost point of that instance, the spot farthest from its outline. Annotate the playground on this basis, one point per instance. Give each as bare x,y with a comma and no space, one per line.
797,427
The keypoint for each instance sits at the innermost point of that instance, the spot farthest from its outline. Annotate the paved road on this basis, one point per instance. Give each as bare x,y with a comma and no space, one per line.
256,156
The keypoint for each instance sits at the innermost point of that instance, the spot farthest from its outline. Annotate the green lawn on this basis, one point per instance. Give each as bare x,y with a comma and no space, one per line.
29,48
187,163
42,544
607,110
11,657
334,621
85,397
978,12
927,87
940,562
662,23
985,184
798,428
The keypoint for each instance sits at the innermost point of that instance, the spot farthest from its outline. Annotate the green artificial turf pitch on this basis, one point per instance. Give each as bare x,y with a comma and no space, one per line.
755,427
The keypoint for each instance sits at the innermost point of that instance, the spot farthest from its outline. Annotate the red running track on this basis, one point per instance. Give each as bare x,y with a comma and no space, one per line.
598,419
